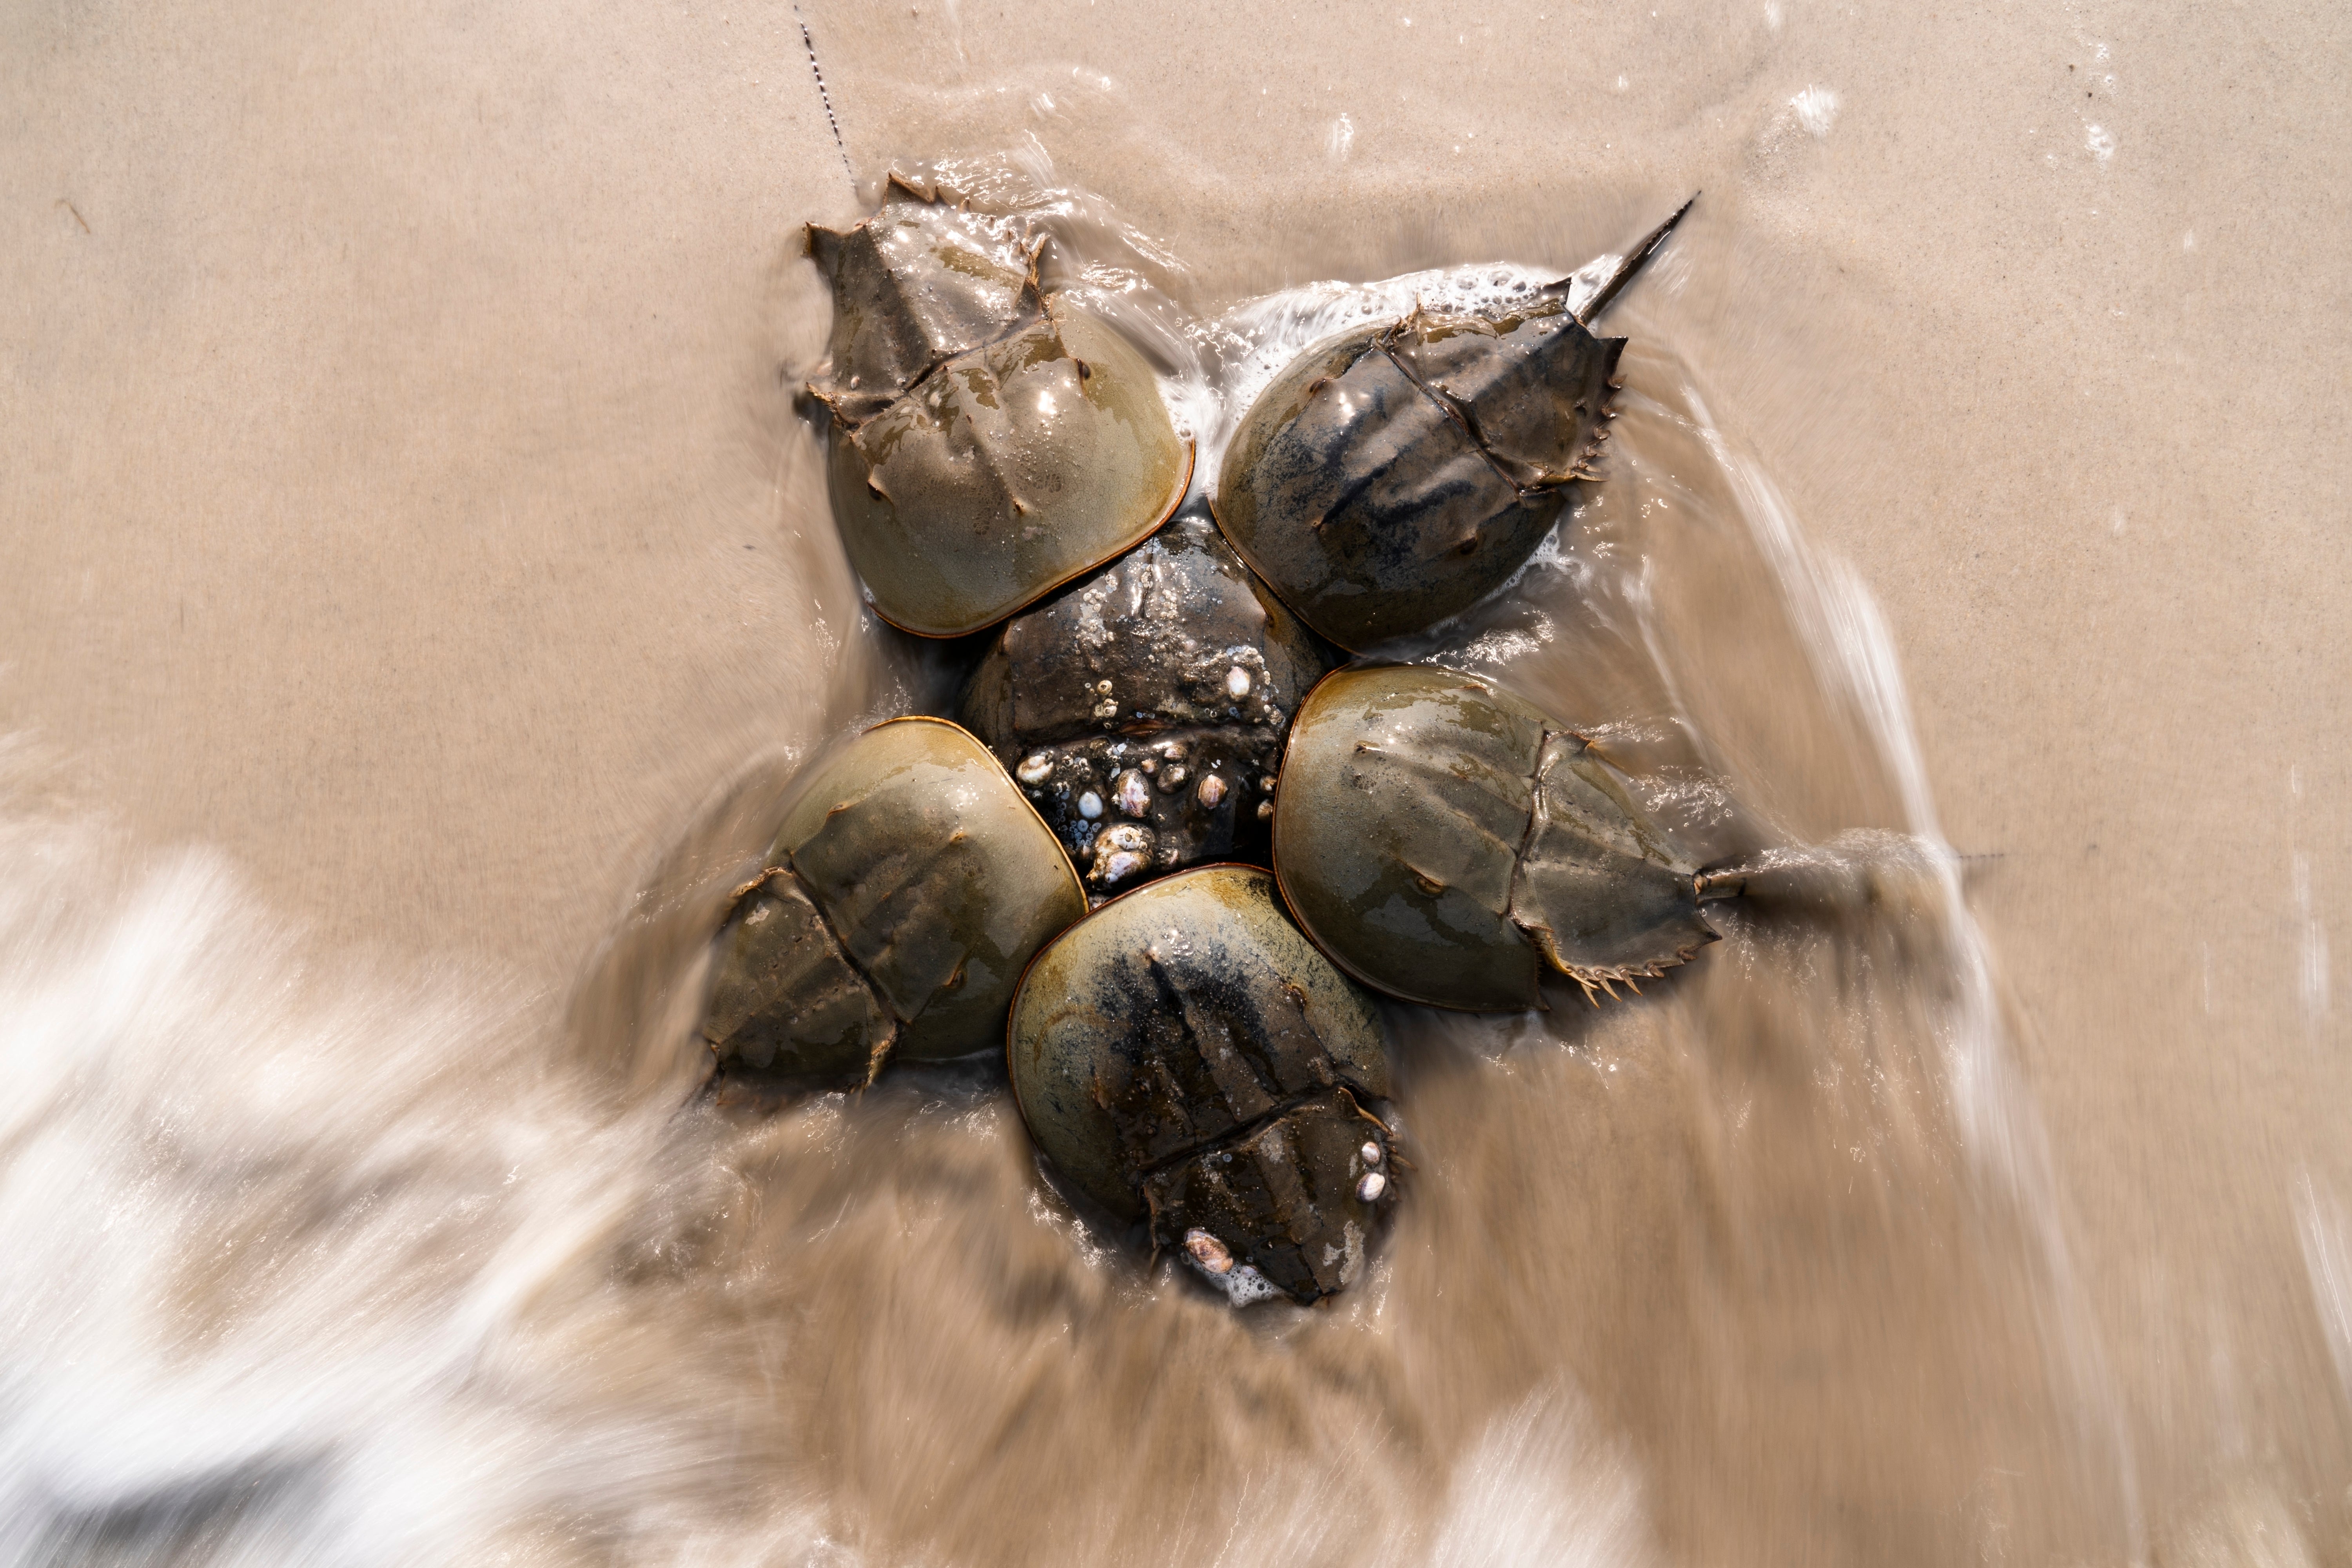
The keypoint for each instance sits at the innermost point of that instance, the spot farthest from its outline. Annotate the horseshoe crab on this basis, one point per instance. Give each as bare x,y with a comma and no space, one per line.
1394,475
990,441
1445,841
1143,711
1186,1058
908,887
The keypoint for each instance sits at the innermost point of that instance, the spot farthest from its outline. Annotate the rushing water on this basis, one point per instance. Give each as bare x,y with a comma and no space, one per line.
315,1258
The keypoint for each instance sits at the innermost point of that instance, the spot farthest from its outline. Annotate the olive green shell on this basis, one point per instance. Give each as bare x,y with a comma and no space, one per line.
1143,709
1442,841
916,284
1184,1056
908,886
1393,476
989,442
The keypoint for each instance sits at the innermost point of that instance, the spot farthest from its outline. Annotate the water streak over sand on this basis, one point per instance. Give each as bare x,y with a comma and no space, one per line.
408,512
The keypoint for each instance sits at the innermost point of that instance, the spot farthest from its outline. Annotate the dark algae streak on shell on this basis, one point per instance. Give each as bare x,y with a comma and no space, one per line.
907,888
1443,841
990,441
1185,1057
1143,710
1394,475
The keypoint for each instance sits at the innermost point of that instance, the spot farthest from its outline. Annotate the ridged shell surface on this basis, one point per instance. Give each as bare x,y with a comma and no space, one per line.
1445,841
1394,476
907,888
1185,1056
989,442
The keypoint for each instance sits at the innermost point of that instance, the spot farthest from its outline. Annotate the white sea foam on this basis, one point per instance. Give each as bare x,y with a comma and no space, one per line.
290,1251
2311,945
1817,111
1542,1488
2327,1262
1854,659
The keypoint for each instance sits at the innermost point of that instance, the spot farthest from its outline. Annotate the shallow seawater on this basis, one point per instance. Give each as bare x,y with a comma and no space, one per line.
313,1258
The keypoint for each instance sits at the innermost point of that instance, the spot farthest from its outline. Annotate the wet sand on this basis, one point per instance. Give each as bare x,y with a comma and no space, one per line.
405,500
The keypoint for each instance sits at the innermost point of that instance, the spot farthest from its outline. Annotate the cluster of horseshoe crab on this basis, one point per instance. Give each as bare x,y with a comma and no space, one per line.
1174,845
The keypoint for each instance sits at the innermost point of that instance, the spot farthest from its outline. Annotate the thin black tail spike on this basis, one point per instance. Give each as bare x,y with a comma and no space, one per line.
1614,284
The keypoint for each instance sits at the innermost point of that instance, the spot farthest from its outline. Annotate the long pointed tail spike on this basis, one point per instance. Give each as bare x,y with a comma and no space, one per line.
1614,284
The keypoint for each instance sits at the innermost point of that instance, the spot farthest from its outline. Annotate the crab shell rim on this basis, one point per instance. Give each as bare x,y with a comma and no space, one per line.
1209,499
1298,916
1175,504
1018,793
1062,856
1013,1079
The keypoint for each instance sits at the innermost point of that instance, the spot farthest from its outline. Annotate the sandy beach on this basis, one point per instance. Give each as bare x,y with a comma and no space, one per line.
406,504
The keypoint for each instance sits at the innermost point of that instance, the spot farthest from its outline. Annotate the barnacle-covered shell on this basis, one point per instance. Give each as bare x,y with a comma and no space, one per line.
1162,688
1395,475
989,442
1442,841
1185,1056
908,887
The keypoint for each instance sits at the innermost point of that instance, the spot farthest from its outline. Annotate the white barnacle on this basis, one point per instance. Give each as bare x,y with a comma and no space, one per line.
1121,851
1371,1152
1266,783
1369,1189
1133,793
1209,1252
1090,805
1102,688
1035,768
1237,683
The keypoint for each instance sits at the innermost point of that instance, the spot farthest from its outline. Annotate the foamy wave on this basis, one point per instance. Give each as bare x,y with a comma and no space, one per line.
296,1255
1854,657
1543,1490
